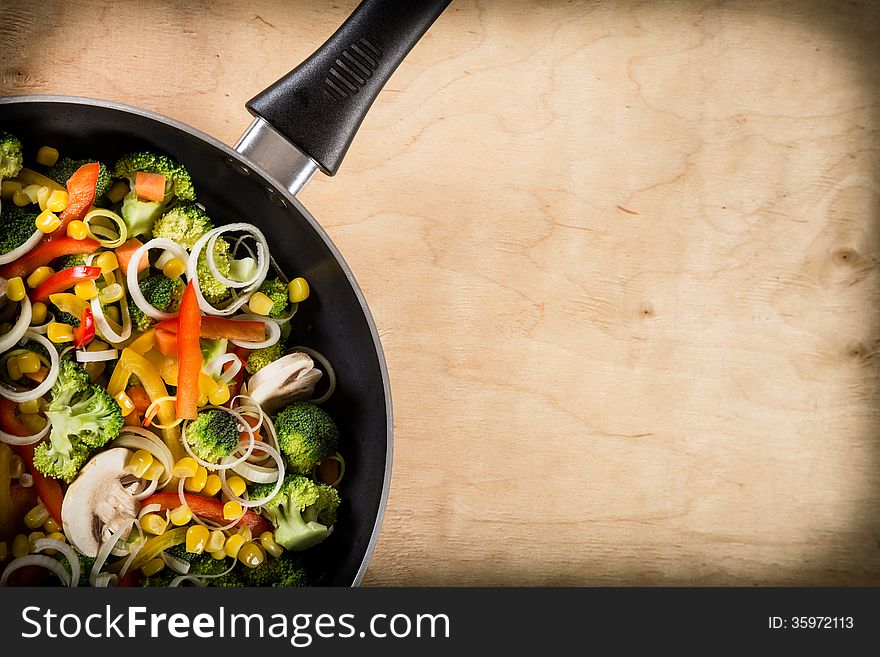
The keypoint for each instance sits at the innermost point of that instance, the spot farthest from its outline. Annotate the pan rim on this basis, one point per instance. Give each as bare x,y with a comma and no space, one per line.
292,200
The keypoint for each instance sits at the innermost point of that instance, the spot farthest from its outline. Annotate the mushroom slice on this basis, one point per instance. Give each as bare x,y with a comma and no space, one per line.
290,378
97,502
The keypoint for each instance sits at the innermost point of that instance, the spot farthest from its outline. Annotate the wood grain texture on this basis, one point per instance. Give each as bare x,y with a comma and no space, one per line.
623,258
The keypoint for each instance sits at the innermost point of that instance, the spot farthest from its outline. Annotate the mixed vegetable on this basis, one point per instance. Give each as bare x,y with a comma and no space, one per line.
155,426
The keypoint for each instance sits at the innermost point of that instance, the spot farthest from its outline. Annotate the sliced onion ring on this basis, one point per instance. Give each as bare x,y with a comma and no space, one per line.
19,328
96,356
105,580
134,288
199,580
103,236
138,438
68,552
16,253
47,383
215,367
149,490
37,560
273,328
42,328
328,370
175,563
9,439
182,497
275,454
103,552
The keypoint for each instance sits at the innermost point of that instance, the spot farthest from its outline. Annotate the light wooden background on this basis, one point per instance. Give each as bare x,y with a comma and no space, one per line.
623,258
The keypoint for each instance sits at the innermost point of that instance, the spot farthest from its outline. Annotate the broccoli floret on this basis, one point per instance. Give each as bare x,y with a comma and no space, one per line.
139,215
185,223
16,226
306,435
212,435
11,155
294,512
200,564
140,321
162,292
66,318
259,358
284,572
64,168
83,416
69,261
212,289
276,290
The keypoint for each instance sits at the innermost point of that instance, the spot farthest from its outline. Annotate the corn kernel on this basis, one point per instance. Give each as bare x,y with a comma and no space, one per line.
212,486
196,538
185,467
155,471
141,460
220,396
15,289
232,510
233,545
245,533
43,196
152,567
57,201
47,156
39,311
8,188
20,198
180,515
153,523
117,191
33,423
218,555
36,517
30,407
86,290
215,542
33,537
111,293
58,332
20,546
267,540
107,261
77,230
298,290
112,313
58,536
196,483
51,527
237,485
260,304
4,551
29,363
47,221
12,368
174,268
39,275
251,555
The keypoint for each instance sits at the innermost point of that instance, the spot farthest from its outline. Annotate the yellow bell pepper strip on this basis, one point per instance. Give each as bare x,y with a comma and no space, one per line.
153,547
64,280
81,190
189,354
130,362
144,342
69,303
30,177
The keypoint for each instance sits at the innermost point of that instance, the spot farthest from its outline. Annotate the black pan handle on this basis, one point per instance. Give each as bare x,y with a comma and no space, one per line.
320,104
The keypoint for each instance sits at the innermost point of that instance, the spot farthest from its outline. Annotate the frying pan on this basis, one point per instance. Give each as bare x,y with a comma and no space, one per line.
303,122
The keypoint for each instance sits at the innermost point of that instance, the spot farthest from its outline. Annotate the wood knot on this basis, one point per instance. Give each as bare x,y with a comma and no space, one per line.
646,310
857,351
845,257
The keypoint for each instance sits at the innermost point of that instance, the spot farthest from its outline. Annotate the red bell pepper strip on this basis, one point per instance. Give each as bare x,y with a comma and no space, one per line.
220,328
45,253
208,508
189,354
81,192
48,489
64,280
84,333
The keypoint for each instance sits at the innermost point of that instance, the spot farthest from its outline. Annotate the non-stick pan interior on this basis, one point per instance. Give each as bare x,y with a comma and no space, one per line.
333,320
